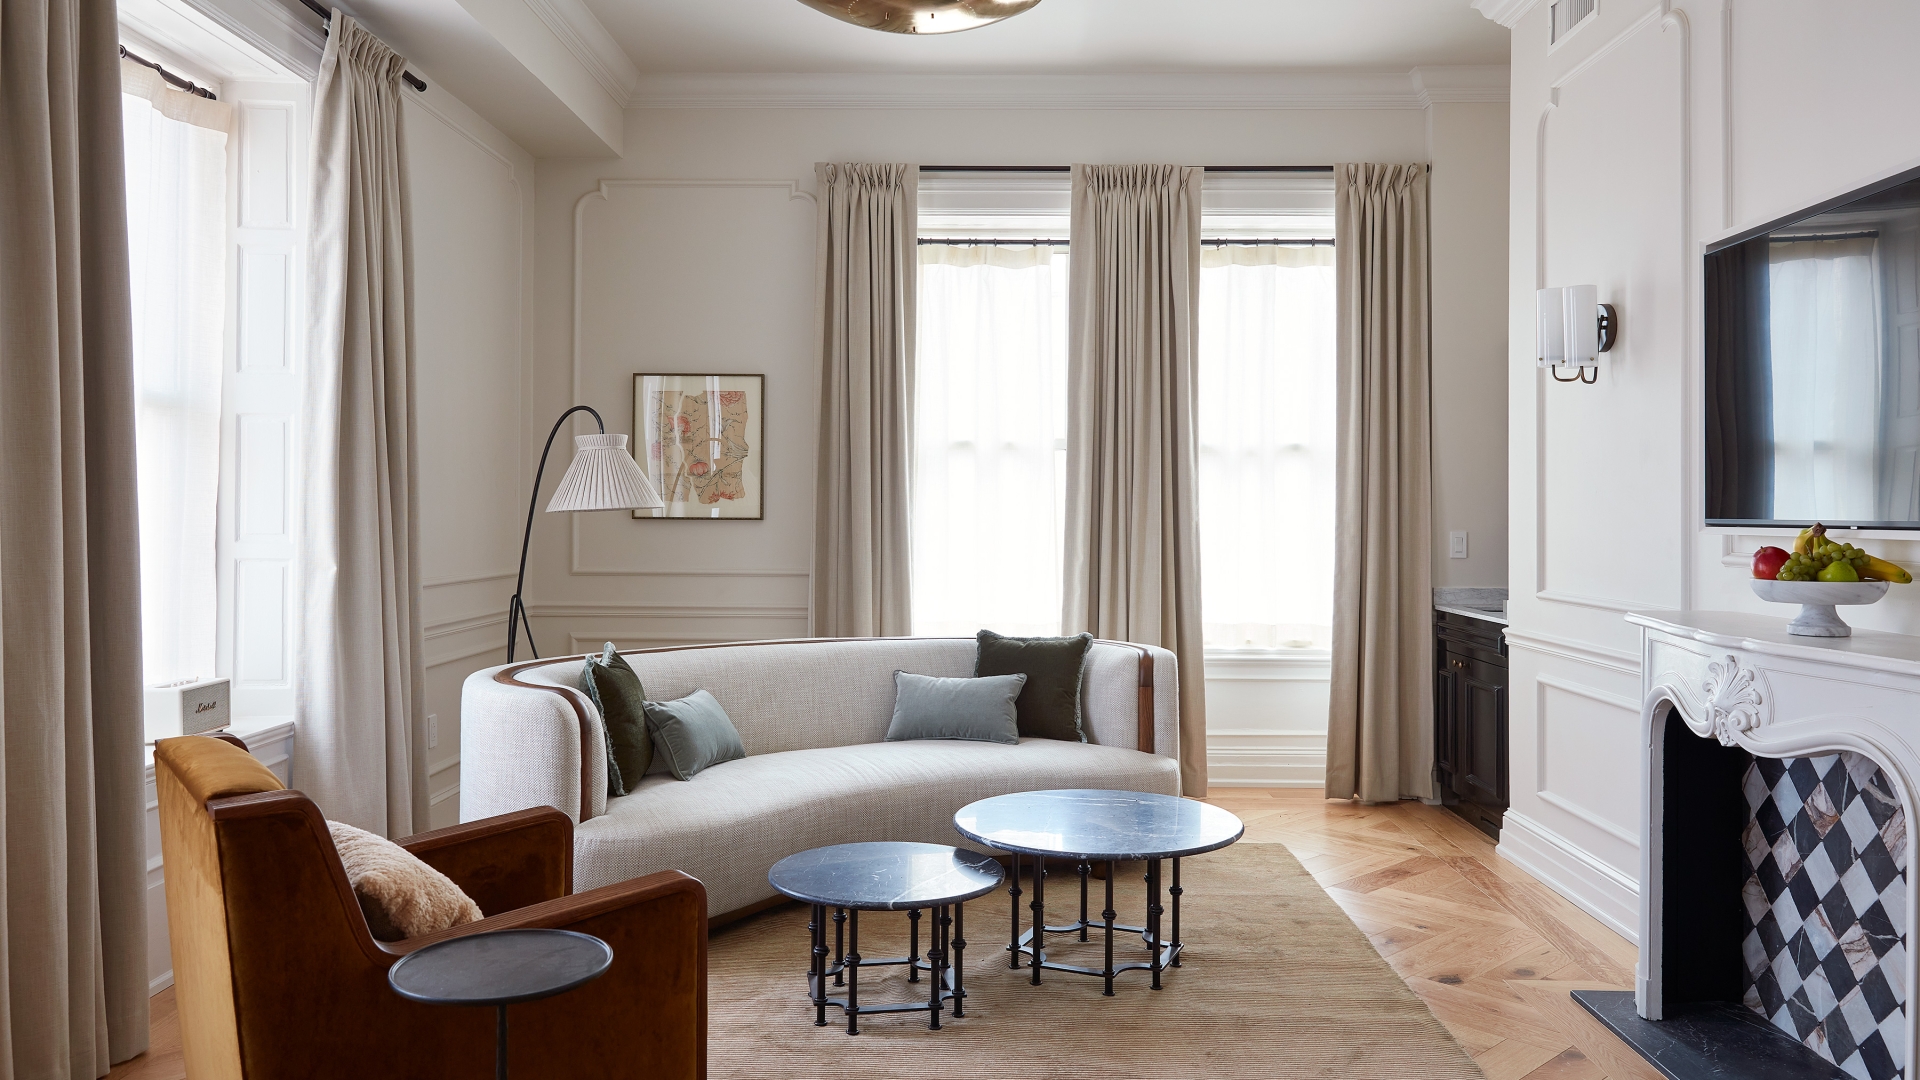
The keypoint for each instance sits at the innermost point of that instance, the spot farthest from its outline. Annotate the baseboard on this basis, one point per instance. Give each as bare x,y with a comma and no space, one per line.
1591,885
1267,759
159,982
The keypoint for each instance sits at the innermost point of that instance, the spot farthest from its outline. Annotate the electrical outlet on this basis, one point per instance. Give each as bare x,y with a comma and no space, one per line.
1457,545
433,730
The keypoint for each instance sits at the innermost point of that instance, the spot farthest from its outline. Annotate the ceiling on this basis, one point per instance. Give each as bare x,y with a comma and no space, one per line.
1061,37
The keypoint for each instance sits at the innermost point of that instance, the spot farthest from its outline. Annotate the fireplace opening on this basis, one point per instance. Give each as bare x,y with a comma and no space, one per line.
1782,917
1702,918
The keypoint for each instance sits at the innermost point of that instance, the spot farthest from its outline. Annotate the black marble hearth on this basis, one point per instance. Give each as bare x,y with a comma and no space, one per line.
1719,1040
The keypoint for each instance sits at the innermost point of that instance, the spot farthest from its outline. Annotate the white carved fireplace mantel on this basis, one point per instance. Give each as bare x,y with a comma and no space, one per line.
1742,680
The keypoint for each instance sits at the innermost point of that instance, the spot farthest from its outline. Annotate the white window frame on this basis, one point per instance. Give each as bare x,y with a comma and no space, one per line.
1251,205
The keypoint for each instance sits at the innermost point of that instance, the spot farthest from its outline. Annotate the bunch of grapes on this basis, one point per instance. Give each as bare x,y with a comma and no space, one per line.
1807,567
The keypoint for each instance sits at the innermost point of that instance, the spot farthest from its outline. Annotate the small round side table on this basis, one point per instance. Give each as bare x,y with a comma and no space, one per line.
499,968
887,876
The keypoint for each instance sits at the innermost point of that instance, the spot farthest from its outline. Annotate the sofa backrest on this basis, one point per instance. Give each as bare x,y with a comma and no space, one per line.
781,695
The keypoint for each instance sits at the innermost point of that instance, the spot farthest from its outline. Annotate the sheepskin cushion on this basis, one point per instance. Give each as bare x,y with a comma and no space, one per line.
401,896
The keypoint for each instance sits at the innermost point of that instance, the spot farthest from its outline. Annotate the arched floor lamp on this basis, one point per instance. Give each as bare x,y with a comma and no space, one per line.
603,476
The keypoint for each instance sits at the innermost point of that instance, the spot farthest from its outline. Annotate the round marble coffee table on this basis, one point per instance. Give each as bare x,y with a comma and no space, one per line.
1092,826
851,878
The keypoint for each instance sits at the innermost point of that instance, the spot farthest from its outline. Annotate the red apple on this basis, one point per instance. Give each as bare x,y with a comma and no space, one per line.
1768,561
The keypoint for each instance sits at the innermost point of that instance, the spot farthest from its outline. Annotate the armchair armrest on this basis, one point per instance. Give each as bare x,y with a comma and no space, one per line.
646,1018
505,862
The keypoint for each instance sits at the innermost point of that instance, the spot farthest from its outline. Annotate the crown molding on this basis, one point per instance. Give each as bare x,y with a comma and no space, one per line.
1461,82
587,39
1504,12
1148,91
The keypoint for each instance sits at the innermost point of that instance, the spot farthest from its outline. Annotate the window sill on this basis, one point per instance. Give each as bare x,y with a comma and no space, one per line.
1269,665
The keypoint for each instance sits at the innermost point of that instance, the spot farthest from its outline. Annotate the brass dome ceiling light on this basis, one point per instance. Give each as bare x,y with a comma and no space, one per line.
921,16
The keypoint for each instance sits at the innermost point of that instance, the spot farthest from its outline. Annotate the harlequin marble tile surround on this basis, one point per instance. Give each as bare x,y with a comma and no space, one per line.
1826,908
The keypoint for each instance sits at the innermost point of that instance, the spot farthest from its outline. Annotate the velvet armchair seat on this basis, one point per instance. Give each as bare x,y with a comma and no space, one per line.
277,975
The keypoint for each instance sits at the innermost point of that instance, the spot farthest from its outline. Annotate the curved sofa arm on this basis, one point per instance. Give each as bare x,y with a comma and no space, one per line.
1126,683
521,746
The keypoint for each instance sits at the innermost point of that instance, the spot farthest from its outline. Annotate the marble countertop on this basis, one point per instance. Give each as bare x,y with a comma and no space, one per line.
1489,605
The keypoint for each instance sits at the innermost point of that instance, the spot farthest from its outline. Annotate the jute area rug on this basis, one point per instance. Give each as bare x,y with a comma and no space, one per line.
1276,982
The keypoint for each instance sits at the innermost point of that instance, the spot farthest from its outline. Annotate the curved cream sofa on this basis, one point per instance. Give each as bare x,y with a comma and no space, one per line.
813,715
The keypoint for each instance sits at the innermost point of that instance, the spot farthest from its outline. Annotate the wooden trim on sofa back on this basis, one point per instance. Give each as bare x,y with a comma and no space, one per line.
1144,741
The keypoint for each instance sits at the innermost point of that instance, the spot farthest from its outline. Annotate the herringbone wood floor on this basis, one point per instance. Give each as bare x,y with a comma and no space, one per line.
1491,950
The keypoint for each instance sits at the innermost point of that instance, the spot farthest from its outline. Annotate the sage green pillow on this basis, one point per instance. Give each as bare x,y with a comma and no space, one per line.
693,733
976,710
615,690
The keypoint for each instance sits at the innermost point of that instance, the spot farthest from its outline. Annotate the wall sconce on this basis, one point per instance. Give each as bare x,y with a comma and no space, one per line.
1571,329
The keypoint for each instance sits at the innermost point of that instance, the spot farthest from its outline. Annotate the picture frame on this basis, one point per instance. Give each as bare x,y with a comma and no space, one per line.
701,439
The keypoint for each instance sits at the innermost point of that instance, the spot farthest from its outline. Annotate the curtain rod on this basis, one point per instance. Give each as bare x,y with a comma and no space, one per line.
326,21
185,84
1315,241
1067,168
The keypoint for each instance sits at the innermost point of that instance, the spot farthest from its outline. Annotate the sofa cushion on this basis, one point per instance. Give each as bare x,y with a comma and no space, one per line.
622,701
730,824
692,734
1055,668
926,707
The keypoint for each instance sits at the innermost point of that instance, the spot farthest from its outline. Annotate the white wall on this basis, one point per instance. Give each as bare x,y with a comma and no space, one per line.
472,201
1647,133
696,253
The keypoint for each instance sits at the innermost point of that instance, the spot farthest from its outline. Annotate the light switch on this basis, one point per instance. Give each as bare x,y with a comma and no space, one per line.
1457,545
433,730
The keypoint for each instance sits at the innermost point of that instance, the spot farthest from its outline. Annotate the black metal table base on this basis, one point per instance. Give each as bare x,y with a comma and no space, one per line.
945,956
1030,948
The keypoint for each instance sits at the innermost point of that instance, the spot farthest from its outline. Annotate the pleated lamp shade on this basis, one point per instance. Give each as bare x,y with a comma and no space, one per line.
604,476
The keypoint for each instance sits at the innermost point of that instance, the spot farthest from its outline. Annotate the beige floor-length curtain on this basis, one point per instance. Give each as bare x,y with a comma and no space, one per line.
358,675
73,941
862,554
1380,724
1133,494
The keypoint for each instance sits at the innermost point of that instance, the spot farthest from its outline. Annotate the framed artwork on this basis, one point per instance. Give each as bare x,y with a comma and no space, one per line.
700,439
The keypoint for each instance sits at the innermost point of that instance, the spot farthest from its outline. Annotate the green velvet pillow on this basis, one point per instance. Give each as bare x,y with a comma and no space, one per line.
693,733
622,701
1049,704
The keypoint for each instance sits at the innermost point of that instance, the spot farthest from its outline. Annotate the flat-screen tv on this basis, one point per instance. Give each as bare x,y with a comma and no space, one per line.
1813,365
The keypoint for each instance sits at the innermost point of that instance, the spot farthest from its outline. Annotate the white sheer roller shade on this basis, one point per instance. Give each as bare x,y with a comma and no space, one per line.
176,161
1266,392
990,428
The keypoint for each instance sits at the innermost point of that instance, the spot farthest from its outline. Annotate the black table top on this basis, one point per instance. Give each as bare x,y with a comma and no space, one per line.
888,876
1098,825
500,967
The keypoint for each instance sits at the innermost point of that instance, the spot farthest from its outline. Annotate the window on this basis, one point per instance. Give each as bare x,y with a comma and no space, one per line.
1266,390
991,412
176,164
990,438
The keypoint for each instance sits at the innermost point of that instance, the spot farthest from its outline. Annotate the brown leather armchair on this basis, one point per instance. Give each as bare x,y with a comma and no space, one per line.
277,976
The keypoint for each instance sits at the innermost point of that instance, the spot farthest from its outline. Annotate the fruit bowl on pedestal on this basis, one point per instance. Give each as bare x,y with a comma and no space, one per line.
1818,599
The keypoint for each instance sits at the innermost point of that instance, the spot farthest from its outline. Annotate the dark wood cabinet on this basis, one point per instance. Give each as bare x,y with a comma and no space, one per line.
1470,718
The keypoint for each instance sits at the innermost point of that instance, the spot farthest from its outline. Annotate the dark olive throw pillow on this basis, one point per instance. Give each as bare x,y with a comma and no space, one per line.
1049,705
622,701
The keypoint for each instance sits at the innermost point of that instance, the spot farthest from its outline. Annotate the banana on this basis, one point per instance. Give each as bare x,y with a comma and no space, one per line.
1878,569
1803,544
